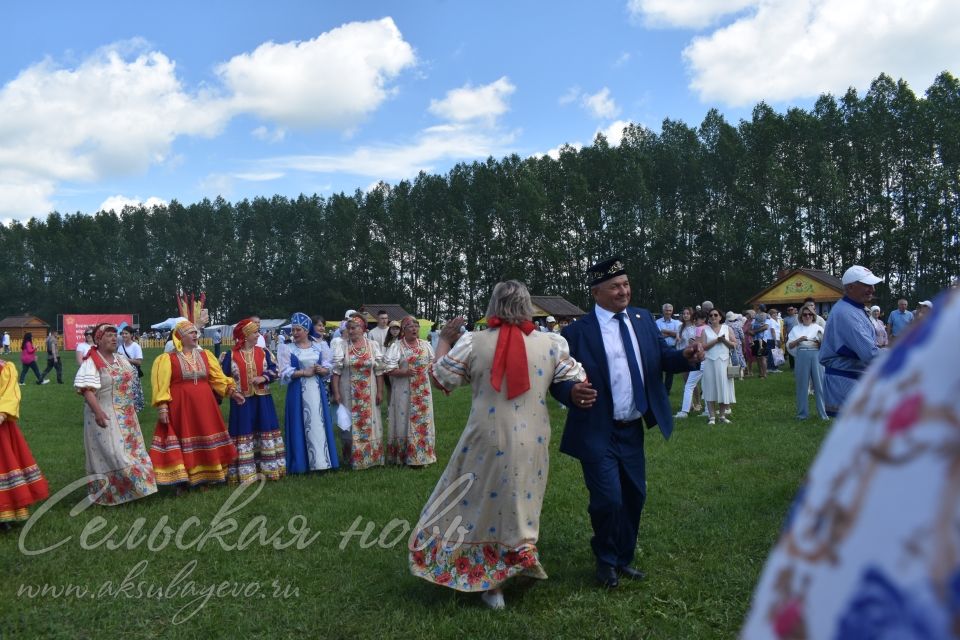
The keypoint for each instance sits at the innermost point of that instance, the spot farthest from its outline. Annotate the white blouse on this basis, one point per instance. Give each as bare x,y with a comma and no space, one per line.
808,333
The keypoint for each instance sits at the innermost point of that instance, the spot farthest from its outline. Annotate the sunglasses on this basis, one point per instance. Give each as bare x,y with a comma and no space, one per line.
809,315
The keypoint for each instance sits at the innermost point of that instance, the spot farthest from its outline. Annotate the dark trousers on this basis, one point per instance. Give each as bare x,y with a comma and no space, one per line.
668,381
618,488
54,364
770,345
216,349
36,370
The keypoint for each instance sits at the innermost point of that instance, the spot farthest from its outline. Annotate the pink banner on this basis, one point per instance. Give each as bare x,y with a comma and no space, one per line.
74,325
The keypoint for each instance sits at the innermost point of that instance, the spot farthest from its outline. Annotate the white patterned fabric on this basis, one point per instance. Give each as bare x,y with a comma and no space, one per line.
870,546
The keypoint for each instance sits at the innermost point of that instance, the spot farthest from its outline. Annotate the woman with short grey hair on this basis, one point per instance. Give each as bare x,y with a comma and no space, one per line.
498,470
510,301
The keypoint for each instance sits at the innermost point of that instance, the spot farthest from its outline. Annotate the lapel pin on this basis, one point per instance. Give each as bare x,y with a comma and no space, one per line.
637,316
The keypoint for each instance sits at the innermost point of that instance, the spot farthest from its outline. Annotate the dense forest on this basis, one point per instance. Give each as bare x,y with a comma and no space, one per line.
713,211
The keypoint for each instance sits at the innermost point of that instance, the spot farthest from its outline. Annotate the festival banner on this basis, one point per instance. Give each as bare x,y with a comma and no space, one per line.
74,325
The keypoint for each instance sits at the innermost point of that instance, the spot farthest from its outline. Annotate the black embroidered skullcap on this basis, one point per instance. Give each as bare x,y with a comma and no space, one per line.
603,271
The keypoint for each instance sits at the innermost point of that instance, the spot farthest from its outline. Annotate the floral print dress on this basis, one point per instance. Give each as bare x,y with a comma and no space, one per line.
358,369
480,527
410,416
118,463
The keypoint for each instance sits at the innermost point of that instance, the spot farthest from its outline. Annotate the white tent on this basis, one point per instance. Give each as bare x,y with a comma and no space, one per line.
270,325
167,324
225,330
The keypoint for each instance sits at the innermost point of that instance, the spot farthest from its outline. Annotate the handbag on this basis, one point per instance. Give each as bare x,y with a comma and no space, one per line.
777,354
343,418
139,370
733,371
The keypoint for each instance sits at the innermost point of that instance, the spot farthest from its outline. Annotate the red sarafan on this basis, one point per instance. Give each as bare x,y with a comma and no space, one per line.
21,483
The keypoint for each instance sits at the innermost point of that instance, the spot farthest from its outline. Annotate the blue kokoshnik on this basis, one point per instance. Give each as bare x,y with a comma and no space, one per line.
303,320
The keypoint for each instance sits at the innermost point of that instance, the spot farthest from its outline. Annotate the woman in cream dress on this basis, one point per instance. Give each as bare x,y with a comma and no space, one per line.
718,389
480,526
118,462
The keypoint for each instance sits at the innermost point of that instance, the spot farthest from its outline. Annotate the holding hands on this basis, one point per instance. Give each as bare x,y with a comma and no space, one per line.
451,330
583,395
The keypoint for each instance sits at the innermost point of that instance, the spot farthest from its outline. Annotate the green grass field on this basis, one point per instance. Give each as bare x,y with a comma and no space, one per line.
717,497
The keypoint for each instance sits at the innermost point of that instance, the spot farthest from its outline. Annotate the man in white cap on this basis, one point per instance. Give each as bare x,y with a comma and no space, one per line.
849,340
552,326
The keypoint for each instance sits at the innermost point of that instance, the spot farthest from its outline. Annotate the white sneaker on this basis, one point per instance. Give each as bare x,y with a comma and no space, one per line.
493,599
681,414
45,382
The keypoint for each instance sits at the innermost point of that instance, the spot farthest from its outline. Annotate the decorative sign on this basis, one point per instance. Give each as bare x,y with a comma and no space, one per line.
796,288
74,326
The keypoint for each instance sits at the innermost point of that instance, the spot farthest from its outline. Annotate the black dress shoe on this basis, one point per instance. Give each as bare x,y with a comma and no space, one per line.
631,573
607,576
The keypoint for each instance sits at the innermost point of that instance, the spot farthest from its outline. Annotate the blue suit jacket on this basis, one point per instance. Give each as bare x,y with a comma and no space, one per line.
587,432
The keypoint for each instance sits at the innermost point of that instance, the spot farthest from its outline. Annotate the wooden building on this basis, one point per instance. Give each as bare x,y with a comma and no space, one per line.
793,287
370,310
560,308
16,326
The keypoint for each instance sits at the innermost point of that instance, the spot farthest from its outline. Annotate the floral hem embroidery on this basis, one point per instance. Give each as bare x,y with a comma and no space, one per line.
474,567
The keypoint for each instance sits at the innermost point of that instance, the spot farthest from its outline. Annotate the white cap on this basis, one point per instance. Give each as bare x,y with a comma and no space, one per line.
856,273
551,319
874,308
926,303
349,313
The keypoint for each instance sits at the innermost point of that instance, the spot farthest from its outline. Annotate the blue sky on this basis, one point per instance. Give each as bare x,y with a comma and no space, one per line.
109,103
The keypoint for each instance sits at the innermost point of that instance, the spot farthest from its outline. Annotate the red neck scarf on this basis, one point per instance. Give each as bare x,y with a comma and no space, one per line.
510,358
94,354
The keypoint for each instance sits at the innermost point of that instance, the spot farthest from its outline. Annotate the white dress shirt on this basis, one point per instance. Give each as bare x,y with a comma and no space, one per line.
621,386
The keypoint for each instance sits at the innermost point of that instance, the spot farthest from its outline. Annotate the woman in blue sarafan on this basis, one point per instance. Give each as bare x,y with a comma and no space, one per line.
305,365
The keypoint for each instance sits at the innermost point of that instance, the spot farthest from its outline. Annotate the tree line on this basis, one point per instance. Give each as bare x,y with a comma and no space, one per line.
714,211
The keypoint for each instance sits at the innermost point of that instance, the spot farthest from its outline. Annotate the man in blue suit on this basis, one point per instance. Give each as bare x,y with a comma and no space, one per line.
624,355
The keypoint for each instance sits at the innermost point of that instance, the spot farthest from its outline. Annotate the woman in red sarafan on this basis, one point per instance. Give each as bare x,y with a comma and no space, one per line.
191,445
21,483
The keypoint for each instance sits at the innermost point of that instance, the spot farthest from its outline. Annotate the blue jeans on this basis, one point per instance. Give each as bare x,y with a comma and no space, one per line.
808,370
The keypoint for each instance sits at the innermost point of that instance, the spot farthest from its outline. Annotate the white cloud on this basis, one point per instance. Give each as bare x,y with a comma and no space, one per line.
267,135
265,176
109,116
23,195
439,144
555,151
119,111
613,132
118,202
622,60
694,14
571,96
333,80
471,132
486,102
600,104
216,184
789,49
